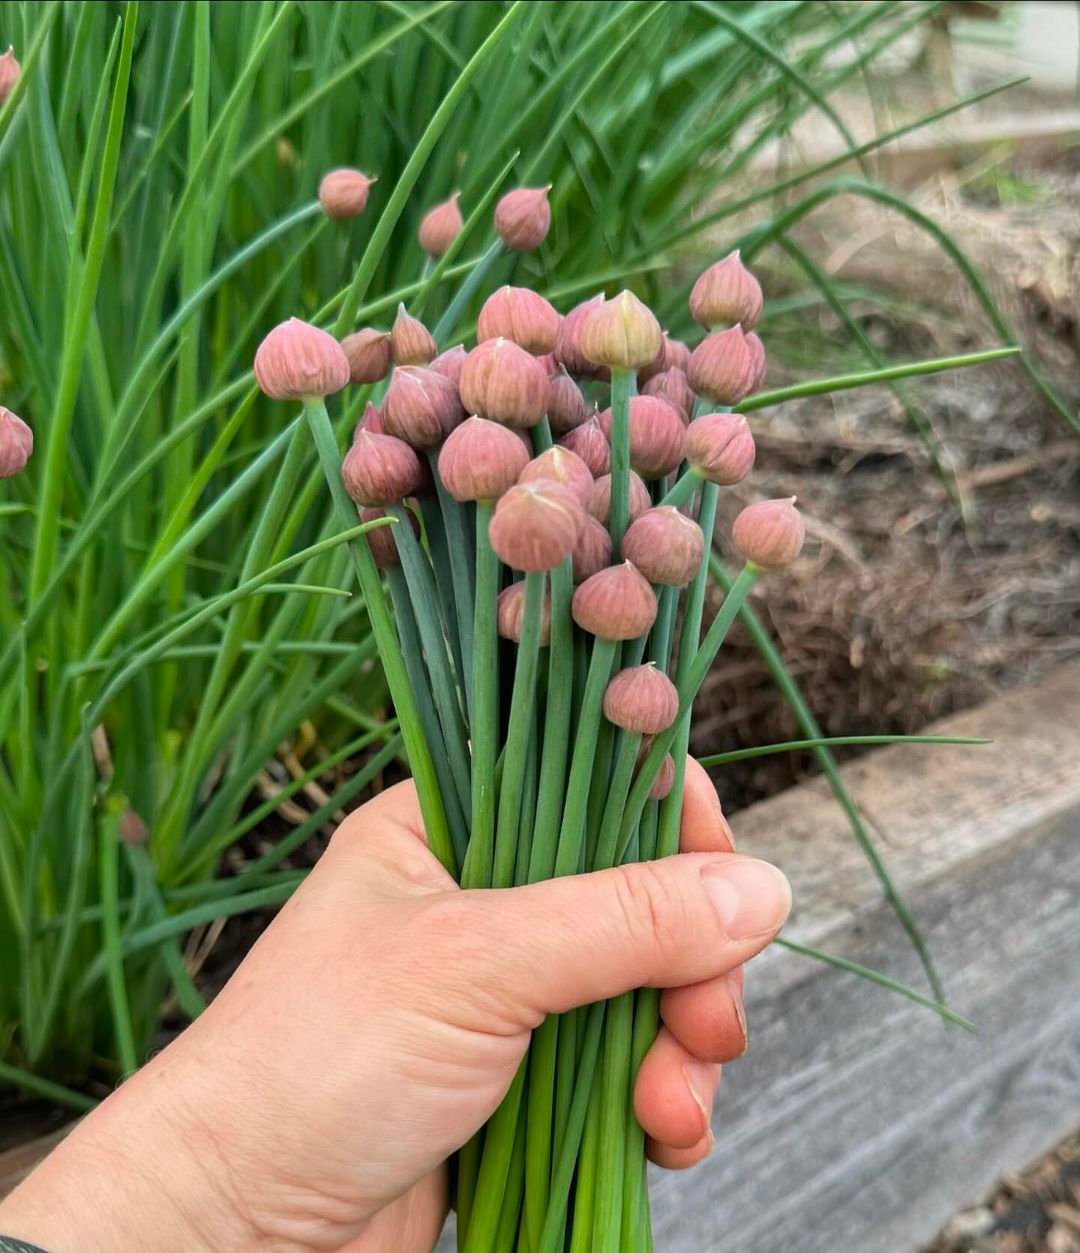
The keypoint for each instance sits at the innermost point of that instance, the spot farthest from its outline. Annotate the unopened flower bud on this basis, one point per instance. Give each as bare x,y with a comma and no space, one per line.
411,342
421,406
770,533
673,355
380,539
368,352
131,828
380,470
615,604
568,341
10,70
657,436
560,465
724,367
726,294
297,361
757,357
534,525
641,698
591,445
449,363
510,613
16,443
665,545
440,226
665,779
480,460
546,361
674,387
592,550
600,502
520,315
720,447
622,333
523,218
370,420
343,193
503,382
565,403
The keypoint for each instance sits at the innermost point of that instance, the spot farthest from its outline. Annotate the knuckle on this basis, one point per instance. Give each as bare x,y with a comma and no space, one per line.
651,906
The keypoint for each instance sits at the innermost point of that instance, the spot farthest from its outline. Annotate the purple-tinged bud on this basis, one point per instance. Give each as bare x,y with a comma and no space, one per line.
674,387
380,470
504,383
480,460
16,442
665,545
720,447
440,226
568,341
10,70
560,465
371,420
726,294
621,334
600,501
411,342
381,540
665,779
343,193
592,551
297,361
535,525
770,533
723,367
547,362
510,614
523,218
757,356
673,355
565,403
641,698
132,827
421,407
368,352
591,445
520,315
449,363
657,436
615,604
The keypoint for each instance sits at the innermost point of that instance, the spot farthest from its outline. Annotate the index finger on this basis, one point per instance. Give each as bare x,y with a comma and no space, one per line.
704,827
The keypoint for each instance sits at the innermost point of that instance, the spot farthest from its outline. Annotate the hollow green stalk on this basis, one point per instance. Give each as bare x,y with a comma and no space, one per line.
615,1113
499,1138
109,873
835,741
588,1164
623,386
435,534
458,543
681,490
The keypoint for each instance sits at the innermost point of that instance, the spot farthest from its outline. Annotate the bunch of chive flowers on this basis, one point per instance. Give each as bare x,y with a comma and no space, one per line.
538,596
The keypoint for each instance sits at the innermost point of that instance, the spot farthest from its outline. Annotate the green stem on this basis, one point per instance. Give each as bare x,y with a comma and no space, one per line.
499,1138
469,286
681,490
459,545
834,741
539,1114
588,1167
479,863
109,871
614,1113
622,388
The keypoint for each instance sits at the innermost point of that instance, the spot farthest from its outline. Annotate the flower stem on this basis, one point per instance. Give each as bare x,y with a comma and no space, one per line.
499,1138
622,388
681,490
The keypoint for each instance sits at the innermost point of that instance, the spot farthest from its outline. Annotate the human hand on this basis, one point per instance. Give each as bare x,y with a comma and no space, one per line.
376,1025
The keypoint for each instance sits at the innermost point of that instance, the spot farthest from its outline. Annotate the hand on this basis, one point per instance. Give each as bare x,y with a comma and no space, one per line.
376,1025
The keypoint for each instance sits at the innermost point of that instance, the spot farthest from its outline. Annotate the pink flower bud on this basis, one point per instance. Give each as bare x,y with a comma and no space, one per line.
368,352
723,367
10,70
673,355
657,436
440,226
371,420
521,315
592,551
503,382
621,333
421,407
568,341
480,460
560,465
674,387
665,779
411,342
665,545
380,539
297,361
523,218
510,613
535,525
641,698
590,443
565,403
380,470
132,827
343,193
757,356
727,294
615,604
449,363
720,447
547,362
16,441
770,533
600,501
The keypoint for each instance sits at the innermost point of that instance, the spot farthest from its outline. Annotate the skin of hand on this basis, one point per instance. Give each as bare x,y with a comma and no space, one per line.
376,1025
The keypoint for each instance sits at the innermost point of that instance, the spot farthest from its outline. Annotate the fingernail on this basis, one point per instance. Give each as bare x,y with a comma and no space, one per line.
734,983
699,1079
751,897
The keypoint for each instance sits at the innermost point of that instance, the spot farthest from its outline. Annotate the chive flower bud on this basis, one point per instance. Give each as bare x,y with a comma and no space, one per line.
535,525
657,436
665,779
510,613
343,193
521,315
380,470
592,550
370,420
381,539
568,341
523,218
480,460
720,447
726,294
673,386
591,445
565,403
665,545
600,500
449,363
501,381
547,362
440,226
10,70
622,333
615,604
16,441
770,533
757,356
641,698
724,367
297,361
421,406
673,354
560,465
368,352
411,342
